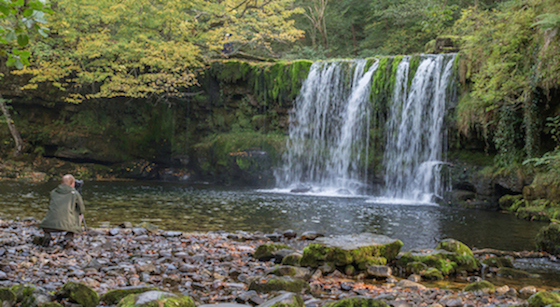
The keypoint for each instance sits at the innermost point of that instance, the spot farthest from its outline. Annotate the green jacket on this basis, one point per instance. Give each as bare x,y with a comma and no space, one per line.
65,208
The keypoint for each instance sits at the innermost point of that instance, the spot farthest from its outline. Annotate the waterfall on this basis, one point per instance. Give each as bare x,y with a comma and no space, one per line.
415,131
328,135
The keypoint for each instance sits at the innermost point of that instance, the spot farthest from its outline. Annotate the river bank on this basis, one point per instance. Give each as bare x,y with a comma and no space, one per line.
213,267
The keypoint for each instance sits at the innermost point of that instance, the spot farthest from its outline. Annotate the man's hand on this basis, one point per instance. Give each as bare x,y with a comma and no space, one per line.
81,218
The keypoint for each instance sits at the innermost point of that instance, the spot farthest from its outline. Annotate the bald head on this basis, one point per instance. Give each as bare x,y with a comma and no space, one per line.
68,180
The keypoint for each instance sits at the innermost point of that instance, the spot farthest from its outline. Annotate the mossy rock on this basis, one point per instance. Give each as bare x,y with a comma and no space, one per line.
292,271
156,299
267,251
454,246
52,304
7,296
507,201
359,250
22,292
513,273
543,298
445,261
416,267
498,262
292,259
114,296
358,301
548,239
483,285
79,293
284,300
432,274
284,283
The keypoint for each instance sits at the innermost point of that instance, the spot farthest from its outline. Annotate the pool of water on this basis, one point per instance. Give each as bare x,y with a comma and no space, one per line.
176,206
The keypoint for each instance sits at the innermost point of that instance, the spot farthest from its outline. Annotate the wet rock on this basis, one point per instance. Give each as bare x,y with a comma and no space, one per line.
359,301
526,292
415,278
543,298
126,225
7,297
359,250
379,271
172,234
284,300
289,234
311,235
295,272
274,237
445,261
138,231
79,293
498,262
251,297
268,251
3,276
284,283
114,231
112,297
292,259
408,284
454,246
513,273
451,301
432,274
483,285
161,298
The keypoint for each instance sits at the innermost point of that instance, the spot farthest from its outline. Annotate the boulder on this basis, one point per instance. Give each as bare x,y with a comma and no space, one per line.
484,286
7,297
79,293
543,298
113,297
359,250
514,273
31,296
156,298
432,274
381,271
295,272
358,301
408,284
268,251
292,259
498,262
286,299
454,246
548,239
283,283
445,261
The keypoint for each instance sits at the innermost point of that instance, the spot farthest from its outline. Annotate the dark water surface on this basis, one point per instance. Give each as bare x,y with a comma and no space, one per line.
176,206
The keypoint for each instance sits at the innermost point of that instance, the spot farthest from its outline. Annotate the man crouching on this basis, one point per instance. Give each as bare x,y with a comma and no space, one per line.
66,212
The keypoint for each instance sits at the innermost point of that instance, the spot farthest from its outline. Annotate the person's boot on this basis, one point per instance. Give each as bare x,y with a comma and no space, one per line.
47,239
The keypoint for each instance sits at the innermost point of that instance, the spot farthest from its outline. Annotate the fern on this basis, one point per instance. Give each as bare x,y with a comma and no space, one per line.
548,21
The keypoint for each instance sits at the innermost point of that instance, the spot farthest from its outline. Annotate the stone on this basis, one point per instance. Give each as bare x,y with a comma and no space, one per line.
172,234
7,297
283,283
527,291
311,235
358,301
114,231
445,261
112,297
225,305
514,273
454,246
543,298
407,284
3,276
284,300
292,259
126,225
359,250
498,262
483,285
432,274
268,251
79,293
451,301
289,234
415,278
161,298
295,272
382,271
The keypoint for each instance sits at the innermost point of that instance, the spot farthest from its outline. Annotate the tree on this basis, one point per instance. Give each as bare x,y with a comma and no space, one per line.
147,48
19,19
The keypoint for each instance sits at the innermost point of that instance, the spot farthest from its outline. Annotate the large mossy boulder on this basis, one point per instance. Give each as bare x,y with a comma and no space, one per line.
445,261
543,298
358,301
113,297
498,262
483,285
156,299
514,273
283,283
548,239
360,251
454,246
79,293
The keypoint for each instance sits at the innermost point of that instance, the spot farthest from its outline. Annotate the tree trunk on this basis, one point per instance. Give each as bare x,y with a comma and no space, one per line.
13,130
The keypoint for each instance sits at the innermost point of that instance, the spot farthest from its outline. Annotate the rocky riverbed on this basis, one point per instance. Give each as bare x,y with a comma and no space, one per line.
210,268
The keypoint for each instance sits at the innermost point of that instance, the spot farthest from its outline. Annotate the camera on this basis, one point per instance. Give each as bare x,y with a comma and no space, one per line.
78,185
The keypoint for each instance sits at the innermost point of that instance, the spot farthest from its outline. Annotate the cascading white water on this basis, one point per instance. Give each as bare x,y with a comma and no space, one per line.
327,146
415,132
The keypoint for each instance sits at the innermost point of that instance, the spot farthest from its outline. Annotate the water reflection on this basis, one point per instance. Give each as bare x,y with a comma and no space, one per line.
203,208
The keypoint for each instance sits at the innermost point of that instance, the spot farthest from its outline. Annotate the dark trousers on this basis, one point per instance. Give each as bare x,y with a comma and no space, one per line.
69,236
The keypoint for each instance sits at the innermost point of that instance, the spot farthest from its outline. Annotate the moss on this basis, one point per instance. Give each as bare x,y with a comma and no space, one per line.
22,292
79,293
507,201
416,267
432,274
7,295
480,286
266,251
52,304
548,239
358,302
162,301
455,246
543,298
445,261
498,262
292,259
284,283
112,297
